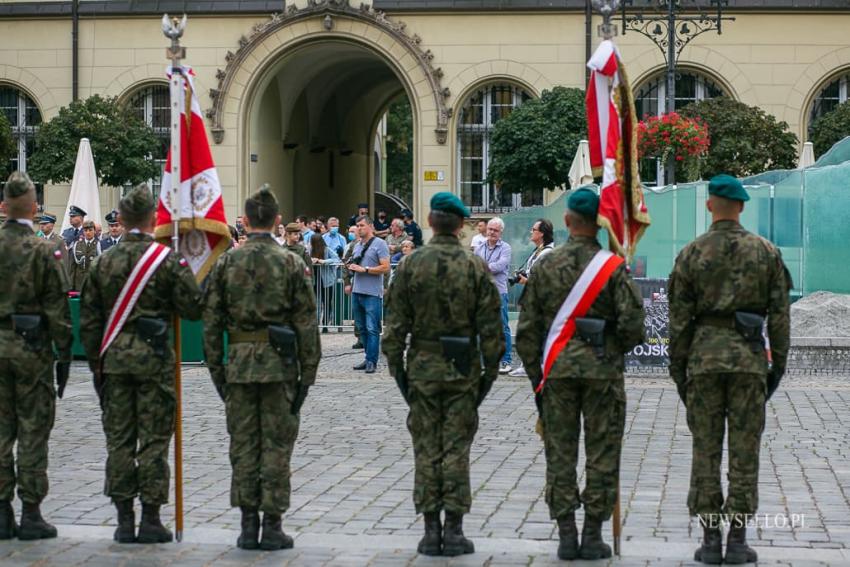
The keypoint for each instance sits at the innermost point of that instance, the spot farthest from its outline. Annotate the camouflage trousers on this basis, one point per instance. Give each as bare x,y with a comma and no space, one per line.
602,406
27,410
262,435
442,421
138,419
715,402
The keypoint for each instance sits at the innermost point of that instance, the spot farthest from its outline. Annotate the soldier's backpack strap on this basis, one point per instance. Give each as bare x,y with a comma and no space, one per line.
577,303
141,273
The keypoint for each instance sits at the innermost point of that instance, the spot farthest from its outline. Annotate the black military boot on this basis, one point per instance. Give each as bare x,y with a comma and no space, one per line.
711,550
151,529
273,536
737,550
33,525
454,542
432,542
592,546
8,526
250,536
126,530
568,536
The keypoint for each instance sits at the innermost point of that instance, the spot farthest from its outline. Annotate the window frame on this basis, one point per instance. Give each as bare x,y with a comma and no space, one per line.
843,80
146,95
23,133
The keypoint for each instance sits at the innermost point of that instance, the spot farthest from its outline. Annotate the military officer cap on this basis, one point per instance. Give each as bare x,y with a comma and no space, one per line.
449,203
76,211
46,218
112,217
293,227
728,187
138,202
88,224
584,202
17,185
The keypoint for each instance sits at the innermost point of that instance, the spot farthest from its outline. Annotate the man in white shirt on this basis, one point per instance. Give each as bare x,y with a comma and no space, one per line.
481,236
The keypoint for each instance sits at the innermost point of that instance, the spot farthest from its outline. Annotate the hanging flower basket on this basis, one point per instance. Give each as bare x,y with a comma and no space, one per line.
673,136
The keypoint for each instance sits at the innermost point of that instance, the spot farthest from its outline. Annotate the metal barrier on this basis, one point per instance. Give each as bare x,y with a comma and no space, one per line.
334,310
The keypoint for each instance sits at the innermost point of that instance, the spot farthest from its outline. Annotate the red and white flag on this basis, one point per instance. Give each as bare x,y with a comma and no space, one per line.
612,133
204,234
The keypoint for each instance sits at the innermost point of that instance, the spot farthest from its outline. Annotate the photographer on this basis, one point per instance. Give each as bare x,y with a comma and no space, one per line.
543,238
369,262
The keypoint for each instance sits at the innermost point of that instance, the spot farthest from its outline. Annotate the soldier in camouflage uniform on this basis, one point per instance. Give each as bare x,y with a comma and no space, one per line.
722,287
135,377
35,284
82,253
292,236
442,291
582,385
259,294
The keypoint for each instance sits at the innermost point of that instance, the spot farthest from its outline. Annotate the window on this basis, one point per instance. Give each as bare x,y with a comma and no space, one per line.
475,124
24,118
651,100
153,105
830,96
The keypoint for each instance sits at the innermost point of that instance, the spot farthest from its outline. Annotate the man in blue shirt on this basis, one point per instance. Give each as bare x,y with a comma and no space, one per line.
333,239
497,255
369,262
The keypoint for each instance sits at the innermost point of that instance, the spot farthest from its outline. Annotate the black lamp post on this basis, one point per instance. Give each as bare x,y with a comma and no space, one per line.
664,23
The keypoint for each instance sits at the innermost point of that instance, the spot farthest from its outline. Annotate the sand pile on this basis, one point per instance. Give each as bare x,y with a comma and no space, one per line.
821,314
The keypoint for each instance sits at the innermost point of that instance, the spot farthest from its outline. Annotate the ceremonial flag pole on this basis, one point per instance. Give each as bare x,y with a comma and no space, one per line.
173,29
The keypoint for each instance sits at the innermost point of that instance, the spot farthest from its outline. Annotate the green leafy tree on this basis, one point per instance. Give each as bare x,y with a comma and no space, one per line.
7,145
830,128
745,140
121,143
533,147
400,149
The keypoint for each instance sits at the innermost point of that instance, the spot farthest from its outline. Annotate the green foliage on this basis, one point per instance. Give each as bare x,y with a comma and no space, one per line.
830,128
745,140
400,150
8,148
121,143
534,146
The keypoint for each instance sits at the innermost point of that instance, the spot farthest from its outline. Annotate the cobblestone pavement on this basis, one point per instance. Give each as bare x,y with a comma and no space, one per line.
353,474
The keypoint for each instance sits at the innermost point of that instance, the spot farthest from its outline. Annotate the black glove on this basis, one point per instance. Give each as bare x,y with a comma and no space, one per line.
682,387
62,370
773,380
484,387
400,375
300,396
99,384
535,380
217,374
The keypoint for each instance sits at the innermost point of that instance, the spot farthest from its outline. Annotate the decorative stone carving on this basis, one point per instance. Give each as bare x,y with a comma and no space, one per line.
329,10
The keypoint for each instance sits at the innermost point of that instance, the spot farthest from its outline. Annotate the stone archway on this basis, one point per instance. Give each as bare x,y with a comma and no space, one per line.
301,95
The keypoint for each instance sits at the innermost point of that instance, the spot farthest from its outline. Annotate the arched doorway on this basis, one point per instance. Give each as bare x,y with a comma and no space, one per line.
300,103
313,125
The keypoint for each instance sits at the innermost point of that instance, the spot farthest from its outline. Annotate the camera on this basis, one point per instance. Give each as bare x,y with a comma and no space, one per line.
514,279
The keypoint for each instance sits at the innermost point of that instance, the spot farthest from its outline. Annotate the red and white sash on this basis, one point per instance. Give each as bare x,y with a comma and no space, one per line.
139,277
578,302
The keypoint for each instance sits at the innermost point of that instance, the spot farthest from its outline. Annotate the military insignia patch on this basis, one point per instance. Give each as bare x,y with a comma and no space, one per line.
57,254
183,262
307,272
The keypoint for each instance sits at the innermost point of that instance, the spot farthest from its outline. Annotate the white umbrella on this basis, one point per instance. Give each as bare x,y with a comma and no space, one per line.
84,188
807,156
580,171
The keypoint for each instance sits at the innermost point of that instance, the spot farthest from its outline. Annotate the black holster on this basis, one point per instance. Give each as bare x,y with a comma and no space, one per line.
284,341
457,350
592,331
749,326
153,332
31,329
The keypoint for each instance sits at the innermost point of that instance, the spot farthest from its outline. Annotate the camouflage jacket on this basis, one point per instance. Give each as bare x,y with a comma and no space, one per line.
443,290
82,255
301,252
172,290
34,282
619,304
727,269
251,287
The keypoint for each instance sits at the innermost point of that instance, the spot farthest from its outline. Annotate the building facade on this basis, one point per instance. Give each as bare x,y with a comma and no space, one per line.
295,93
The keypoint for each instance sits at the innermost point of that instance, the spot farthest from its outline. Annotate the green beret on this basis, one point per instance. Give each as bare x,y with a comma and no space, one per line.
728,187
138,202
584,202
449,203
17,185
